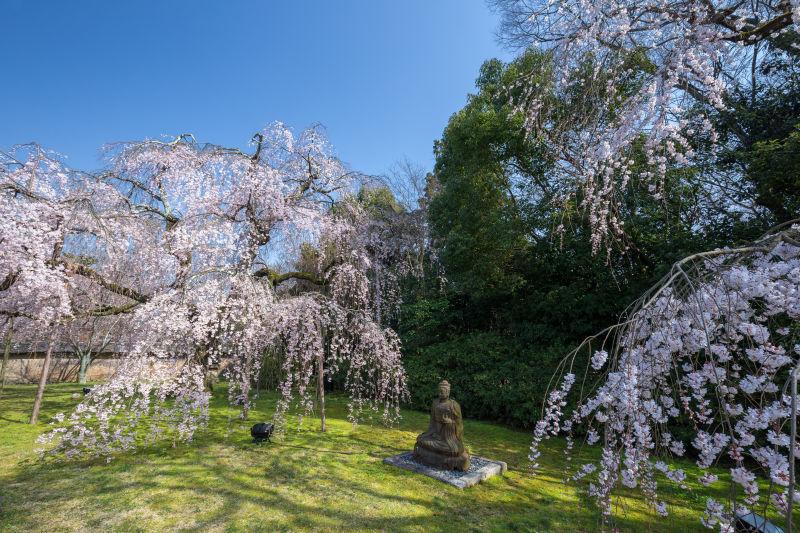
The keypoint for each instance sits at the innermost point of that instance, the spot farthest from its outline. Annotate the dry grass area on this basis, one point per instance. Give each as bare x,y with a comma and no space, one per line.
308,481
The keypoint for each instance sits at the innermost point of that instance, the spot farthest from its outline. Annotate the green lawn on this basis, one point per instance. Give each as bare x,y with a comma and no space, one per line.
309,481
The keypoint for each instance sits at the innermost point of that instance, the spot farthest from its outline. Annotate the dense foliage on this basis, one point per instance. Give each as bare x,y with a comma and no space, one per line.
634,69
651,131
520,291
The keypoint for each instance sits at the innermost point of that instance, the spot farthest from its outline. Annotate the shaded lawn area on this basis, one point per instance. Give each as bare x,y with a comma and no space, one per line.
308,481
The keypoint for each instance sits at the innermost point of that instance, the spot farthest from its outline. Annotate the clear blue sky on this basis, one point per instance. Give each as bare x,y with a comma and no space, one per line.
382,76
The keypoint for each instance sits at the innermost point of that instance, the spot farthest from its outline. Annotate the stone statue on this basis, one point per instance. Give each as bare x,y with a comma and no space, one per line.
442,445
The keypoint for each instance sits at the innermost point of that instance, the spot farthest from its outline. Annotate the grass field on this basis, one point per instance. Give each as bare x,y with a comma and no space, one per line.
309,481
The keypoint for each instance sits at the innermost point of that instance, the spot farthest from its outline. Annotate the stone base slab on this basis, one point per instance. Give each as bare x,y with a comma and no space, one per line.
480,468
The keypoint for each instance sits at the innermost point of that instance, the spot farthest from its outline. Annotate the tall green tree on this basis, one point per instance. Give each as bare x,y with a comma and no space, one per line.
522,282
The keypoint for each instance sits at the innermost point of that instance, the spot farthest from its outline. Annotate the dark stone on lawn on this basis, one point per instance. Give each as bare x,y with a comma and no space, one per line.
261,432
86,390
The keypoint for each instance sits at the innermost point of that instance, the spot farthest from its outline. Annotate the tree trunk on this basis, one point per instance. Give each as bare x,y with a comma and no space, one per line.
204,359
6,353
246,404
246,394
321,389
86,359
37,403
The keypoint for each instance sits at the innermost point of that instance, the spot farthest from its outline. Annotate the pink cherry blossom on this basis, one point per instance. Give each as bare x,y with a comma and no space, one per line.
200,248
707,347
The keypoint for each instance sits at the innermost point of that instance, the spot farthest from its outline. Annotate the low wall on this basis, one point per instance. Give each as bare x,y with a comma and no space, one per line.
62,369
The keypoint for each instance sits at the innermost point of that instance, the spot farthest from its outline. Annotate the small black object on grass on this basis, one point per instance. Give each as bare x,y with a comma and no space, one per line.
261,432
86,390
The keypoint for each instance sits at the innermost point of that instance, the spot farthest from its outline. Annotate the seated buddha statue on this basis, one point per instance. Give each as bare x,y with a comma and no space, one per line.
442,445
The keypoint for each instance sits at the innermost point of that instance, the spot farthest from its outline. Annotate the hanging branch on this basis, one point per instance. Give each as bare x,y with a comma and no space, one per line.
709,348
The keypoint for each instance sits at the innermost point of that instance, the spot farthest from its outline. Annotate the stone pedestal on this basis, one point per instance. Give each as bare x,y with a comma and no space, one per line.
480,468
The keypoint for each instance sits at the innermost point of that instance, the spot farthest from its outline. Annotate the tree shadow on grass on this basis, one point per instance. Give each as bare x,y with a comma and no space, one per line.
242,486
230,495
223,481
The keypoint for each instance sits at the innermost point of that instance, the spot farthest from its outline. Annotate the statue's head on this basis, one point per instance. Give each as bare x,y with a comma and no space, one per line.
444,389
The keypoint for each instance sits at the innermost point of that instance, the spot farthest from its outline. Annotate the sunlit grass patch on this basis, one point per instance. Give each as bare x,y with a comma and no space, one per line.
306,481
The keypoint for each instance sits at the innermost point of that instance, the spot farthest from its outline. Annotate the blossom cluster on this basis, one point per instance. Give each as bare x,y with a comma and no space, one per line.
709,349
637,66
188,243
